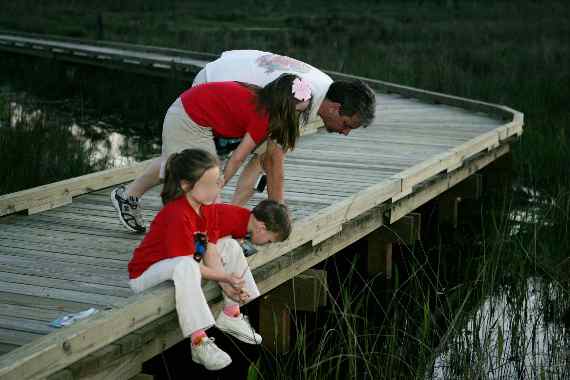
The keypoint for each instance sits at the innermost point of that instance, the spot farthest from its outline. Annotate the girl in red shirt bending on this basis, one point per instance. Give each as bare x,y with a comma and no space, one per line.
266,118
185,232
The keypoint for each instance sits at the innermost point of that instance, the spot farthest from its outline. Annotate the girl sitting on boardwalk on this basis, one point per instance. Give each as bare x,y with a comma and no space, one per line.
184,232
229,110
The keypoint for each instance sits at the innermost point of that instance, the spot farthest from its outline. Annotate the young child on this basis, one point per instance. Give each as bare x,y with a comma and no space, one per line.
184,232
265,119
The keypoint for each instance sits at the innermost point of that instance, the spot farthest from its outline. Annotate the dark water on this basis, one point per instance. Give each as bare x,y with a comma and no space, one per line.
60,120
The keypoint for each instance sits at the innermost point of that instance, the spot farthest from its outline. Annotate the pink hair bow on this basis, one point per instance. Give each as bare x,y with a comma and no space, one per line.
301,89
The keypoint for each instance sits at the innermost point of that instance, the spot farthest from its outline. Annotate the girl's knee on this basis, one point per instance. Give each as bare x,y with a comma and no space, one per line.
229,247
187,268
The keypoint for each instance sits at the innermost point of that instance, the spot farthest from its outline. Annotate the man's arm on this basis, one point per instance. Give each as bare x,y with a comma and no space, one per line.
273,164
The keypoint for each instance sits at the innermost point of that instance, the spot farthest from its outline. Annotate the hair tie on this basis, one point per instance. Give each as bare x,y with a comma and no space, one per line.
301,89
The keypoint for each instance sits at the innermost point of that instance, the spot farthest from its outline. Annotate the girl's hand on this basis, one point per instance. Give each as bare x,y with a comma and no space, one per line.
237,294
234,280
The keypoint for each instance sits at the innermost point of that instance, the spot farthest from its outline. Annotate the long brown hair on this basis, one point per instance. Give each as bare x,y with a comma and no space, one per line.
276,99
189,165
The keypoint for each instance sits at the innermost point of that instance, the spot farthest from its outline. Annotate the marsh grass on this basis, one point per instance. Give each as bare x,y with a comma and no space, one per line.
491,308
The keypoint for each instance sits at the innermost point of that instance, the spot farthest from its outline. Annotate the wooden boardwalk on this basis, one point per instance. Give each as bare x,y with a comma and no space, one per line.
71,253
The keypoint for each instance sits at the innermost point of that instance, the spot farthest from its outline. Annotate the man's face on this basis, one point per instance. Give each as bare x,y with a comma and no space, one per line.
337,123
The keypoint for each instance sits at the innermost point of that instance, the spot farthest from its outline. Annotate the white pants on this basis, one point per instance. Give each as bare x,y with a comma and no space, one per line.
191,305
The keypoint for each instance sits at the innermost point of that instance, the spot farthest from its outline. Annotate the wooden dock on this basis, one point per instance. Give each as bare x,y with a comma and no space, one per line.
62,248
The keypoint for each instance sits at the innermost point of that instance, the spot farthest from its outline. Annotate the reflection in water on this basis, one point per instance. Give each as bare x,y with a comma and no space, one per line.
42,142
515,334
60,120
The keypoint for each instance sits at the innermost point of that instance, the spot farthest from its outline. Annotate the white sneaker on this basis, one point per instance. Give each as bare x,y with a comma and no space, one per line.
210,355
238,327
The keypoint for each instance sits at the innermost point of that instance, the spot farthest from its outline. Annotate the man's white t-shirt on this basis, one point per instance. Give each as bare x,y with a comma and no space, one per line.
260,67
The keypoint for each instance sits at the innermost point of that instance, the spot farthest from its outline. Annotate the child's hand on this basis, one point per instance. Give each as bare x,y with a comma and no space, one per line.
237,294
235,281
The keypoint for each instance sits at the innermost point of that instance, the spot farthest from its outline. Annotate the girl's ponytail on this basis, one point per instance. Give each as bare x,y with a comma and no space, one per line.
188,165
171,188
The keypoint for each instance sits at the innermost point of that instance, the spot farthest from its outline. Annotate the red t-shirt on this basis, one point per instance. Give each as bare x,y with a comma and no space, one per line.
171,233
228,108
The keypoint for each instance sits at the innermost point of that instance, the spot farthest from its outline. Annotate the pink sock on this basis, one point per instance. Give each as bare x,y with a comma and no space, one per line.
232,310
197,336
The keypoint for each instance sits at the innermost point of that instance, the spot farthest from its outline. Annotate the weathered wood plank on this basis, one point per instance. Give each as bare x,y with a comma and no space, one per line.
43,195
42,303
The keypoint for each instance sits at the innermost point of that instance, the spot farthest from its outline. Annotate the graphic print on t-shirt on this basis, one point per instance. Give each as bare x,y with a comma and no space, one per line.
274,62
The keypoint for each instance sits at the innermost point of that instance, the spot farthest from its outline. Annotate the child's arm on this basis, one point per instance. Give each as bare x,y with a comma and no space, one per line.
238,157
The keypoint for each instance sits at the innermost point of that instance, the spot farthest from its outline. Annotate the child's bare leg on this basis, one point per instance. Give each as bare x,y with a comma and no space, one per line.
148,179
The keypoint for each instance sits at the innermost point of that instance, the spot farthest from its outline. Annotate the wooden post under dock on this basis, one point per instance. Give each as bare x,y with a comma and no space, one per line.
306,292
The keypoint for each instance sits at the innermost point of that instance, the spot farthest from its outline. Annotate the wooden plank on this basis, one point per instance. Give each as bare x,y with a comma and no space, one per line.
86,246
430,191
17,338
82,273
6,347
65,259
42,195
29,312
47,292
24,324
43,303
67,284
34,208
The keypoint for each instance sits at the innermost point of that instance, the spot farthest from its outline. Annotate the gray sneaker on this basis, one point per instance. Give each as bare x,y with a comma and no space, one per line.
128,209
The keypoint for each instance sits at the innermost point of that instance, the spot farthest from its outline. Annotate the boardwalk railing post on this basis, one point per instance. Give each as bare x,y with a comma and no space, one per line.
448,205
305,292
379,259
380,243
498,175
449,202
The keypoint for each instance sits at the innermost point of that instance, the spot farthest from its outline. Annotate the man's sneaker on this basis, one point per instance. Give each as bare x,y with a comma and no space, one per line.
128,208
238,327
210,355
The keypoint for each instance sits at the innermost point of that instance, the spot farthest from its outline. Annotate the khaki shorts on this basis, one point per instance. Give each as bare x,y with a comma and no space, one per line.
179,132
